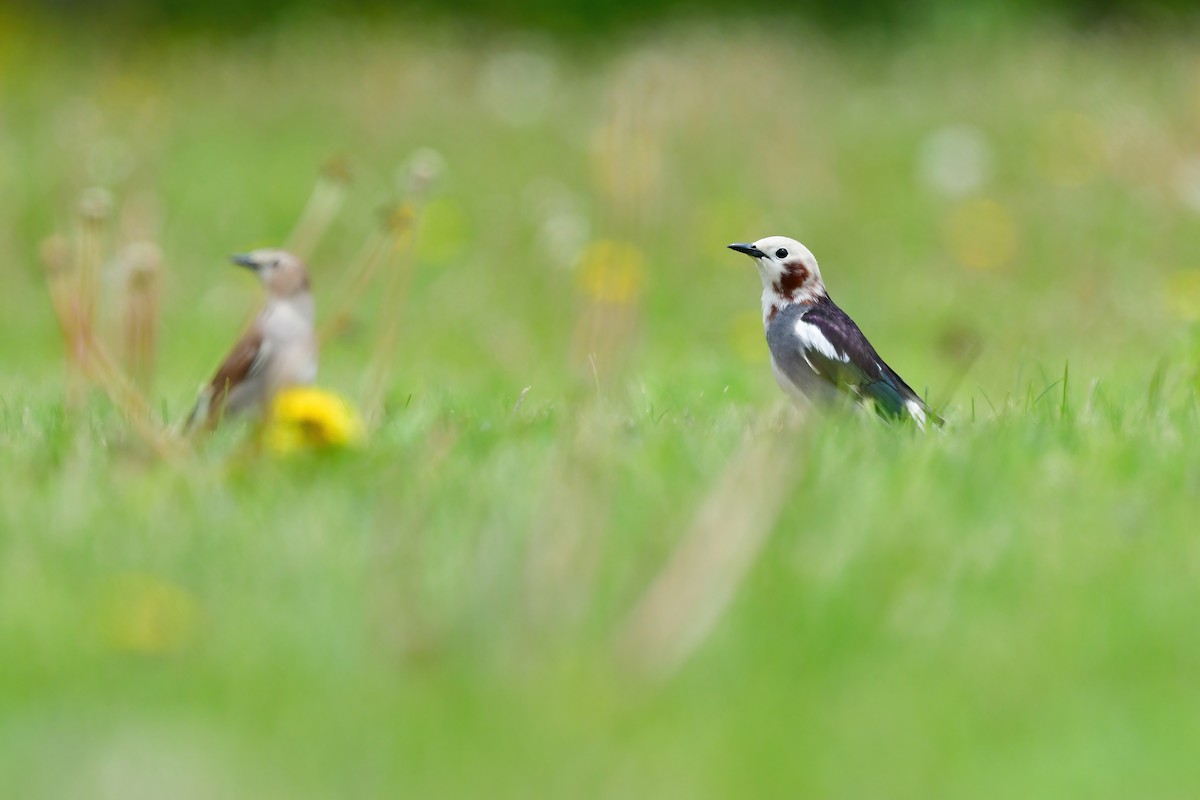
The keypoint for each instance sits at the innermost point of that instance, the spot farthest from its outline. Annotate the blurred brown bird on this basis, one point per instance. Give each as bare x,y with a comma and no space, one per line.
279,350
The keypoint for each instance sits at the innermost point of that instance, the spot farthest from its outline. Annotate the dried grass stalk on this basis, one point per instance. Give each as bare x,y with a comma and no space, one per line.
686,599
328,195
141,313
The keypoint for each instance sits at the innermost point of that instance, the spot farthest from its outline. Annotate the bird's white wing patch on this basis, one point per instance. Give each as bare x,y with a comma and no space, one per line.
813,338
917,413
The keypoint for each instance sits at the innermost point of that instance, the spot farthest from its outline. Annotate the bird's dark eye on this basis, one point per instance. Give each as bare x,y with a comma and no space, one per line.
781,253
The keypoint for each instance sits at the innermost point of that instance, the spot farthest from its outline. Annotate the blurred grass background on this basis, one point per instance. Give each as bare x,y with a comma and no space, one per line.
639,582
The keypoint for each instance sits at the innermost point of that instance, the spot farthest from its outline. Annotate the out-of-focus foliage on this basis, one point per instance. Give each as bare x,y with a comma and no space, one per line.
562,562
592,16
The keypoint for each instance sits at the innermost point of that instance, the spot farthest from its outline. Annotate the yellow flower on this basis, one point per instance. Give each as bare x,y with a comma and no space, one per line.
306,418
612,271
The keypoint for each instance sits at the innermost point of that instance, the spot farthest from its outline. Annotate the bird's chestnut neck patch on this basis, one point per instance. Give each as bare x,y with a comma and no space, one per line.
794,276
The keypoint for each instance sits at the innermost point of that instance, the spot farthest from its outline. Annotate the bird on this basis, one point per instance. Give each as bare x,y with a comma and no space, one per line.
818,354
279,350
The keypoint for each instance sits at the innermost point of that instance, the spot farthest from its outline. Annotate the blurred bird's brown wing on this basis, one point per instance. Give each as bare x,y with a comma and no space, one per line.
243,362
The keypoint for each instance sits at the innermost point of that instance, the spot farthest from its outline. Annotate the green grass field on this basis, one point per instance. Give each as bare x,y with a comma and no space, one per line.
646,578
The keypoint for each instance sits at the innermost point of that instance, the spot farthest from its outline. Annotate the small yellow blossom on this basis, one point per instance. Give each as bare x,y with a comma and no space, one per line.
145,614
305,418
612,271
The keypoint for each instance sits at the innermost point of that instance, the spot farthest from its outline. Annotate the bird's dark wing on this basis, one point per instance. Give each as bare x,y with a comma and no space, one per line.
836,350
243,362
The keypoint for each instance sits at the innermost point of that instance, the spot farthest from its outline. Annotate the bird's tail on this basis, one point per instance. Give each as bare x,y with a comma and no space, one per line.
205,414
923,413
894,399
199,415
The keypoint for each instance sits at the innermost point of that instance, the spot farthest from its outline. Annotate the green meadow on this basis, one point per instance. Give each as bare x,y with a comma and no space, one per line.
586,548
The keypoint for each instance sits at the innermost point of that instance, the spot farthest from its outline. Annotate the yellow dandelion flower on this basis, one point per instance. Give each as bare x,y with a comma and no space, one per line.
305,418
145,614
613,272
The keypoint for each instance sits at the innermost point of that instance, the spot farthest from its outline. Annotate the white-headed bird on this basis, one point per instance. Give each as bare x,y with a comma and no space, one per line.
818,354
279,349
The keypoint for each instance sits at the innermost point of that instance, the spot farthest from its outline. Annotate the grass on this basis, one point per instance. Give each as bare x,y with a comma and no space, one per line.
648,579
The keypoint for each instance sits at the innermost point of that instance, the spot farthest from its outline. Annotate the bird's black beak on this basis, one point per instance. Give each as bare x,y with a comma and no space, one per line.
243,260
748,249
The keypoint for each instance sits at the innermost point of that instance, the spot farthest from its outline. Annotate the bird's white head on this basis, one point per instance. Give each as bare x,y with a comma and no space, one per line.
788,270
283,274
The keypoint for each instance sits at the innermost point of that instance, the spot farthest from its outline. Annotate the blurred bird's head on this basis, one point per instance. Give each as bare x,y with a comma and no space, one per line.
282,273
786,267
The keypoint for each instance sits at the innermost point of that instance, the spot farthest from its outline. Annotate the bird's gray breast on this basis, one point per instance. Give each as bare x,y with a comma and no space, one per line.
794,373
289,344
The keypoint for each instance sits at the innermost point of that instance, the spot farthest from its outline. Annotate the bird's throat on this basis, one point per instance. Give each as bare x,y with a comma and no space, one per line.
773,302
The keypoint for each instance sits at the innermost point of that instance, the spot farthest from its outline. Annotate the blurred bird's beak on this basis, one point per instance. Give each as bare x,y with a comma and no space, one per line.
243,260
748,249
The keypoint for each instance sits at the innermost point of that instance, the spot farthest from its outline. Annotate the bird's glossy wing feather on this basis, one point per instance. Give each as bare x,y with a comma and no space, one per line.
838,352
